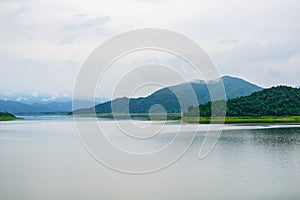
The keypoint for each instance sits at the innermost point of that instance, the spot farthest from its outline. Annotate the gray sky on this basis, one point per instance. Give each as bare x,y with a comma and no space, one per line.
44,43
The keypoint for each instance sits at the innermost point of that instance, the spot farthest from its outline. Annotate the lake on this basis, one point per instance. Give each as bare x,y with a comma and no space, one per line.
43,158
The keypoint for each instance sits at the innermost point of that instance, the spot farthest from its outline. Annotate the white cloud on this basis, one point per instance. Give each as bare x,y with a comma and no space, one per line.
43,43
21,99
52,97
34,94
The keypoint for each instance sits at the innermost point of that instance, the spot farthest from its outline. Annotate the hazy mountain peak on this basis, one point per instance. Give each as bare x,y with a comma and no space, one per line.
168,97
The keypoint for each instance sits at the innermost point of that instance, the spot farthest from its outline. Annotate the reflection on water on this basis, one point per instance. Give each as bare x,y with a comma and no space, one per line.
45,160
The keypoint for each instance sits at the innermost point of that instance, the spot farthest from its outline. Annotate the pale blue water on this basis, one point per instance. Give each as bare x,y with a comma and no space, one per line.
42,158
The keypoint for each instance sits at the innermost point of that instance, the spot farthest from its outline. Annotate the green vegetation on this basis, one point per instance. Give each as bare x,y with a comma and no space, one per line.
5,116
274,105
275,101
243,119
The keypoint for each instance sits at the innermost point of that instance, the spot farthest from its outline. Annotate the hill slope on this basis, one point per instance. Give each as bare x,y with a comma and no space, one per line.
5,116
275,101
234,87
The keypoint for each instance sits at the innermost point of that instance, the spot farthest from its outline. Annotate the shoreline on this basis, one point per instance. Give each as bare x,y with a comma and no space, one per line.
3,119
187,119
200,120
242,119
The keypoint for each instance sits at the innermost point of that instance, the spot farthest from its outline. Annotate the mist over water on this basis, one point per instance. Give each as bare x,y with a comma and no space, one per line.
44,159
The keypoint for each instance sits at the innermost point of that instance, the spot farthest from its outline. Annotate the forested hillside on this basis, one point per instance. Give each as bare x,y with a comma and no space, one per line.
275,101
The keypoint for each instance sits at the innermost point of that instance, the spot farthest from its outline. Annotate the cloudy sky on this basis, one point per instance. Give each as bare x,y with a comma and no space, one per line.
44,43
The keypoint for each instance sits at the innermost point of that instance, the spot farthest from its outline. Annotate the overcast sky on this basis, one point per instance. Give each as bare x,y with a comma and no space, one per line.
44,43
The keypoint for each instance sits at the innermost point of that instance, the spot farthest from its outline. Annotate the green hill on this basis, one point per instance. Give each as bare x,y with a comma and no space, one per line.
168,97
5,116
275,101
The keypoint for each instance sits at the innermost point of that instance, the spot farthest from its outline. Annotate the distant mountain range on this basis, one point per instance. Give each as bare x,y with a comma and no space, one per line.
234,87
275,101
165,97
38,108
32,98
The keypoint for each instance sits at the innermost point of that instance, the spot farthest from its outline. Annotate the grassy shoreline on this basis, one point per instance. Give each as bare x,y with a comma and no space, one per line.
5,116
8,118
242,119
131,115
202,119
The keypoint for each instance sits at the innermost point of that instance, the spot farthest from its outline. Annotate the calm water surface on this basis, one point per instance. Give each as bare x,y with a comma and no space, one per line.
42,158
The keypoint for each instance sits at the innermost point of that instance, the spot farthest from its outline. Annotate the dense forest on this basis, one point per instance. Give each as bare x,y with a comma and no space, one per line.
275,101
